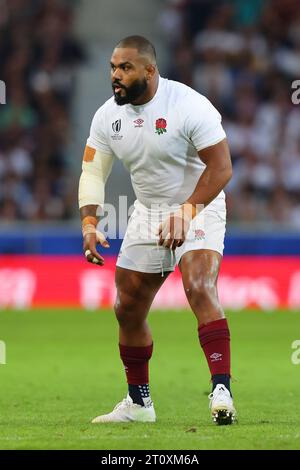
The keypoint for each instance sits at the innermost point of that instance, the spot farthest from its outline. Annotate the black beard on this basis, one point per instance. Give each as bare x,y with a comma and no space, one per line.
133,92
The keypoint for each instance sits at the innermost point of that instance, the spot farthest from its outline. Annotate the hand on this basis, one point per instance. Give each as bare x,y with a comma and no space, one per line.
172,232
90,241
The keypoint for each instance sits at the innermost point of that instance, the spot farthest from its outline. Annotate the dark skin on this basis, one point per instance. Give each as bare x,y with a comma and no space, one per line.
127,66
214,178
199,268
135,294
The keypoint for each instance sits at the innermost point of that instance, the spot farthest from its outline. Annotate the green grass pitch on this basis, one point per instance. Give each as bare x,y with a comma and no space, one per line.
62,369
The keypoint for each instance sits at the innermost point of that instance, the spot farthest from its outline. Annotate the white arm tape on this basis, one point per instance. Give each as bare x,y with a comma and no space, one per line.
93,178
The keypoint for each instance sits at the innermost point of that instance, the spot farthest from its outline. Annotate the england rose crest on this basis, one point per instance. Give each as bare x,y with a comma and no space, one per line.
161,126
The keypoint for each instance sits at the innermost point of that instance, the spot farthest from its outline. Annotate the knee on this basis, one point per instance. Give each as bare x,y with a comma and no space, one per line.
126,311
200,290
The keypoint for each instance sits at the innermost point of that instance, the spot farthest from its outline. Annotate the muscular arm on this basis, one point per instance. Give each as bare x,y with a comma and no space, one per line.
216,175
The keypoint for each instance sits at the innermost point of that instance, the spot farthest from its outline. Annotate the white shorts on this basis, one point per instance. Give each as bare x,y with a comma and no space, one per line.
140,250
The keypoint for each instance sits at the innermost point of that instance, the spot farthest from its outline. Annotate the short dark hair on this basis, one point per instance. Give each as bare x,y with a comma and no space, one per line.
140,43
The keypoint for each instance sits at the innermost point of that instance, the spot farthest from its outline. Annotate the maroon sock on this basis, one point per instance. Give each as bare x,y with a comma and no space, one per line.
136,360
215,341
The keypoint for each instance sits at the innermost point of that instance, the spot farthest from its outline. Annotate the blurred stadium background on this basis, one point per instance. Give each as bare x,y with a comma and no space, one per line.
242,54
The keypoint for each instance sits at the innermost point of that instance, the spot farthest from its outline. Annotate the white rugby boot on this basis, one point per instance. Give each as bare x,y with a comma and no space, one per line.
127,411
221,406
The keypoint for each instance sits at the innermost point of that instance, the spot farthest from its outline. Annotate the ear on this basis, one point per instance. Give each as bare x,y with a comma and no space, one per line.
150,71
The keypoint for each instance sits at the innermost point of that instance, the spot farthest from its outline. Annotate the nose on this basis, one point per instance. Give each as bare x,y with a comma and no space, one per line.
117,75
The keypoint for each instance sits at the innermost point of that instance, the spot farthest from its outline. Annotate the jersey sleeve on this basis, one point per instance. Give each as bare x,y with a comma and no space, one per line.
202,122
97,138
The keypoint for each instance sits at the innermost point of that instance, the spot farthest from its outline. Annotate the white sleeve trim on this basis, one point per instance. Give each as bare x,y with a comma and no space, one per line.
210,143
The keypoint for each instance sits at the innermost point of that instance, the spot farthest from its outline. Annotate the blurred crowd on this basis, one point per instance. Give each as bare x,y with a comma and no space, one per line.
38,57
244,56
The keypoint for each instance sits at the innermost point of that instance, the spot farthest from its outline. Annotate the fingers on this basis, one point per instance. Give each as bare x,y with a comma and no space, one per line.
171,233
101,239
168,241
159,233
176,243
171,243
92,256
166,233
90,252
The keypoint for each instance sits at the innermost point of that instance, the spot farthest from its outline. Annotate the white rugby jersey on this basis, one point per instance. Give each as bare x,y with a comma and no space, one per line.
158,141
